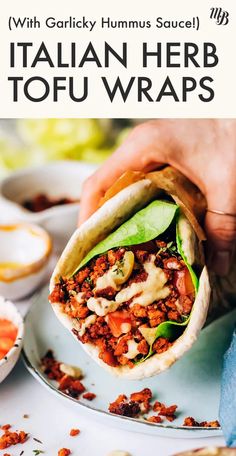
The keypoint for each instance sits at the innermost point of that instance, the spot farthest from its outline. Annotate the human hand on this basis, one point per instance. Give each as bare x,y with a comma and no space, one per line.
203,150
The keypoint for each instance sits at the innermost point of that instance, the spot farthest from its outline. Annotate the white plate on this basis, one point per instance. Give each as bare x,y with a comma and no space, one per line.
193,383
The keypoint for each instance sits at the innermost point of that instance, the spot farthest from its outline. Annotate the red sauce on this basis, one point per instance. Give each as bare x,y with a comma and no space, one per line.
42,201
8,333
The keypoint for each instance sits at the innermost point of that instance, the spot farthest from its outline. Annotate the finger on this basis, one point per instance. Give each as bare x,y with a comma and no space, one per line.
221,231
134,154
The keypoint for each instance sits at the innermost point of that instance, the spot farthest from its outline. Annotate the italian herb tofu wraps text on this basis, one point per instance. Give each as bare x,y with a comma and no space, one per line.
130,285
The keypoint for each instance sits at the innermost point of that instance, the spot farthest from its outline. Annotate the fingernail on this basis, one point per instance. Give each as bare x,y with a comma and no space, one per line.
220,262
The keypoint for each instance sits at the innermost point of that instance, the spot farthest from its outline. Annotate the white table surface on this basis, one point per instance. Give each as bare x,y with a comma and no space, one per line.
51,418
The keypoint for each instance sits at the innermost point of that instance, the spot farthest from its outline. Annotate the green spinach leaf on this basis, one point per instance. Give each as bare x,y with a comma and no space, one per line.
145,225
170,329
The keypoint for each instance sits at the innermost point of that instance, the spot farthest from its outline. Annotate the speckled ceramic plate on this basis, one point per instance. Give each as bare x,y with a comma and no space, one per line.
193,383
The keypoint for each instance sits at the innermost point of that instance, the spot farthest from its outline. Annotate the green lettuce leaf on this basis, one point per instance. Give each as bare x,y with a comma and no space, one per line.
179,243
166,329
145,225
170,329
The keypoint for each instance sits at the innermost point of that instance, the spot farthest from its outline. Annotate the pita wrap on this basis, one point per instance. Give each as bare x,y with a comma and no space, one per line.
129,195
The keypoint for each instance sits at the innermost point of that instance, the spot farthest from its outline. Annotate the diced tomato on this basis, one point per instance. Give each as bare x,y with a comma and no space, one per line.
183,282
8,333
6,344
7,329
2,354
115,321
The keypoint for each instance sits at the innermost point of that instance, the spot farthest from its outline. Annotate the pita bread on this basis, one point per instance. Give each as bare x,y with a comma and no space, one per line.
119,207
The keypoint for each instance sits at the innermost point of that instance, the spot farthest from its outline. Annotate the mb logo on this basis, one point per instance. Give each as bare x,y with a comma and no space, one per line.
222,17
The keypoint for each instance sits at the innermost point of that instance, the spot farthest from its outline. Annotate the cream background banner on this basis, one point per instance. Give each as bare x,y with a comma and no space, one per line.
97,103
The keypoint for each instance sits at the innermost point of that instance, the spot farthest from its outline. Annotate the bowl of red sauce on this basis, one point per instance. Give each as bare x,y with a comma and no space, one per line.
11,336
48,195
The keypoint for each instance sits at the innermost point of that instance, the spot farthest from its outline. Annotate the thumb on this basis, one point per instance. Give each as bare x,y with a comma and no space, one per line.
221,229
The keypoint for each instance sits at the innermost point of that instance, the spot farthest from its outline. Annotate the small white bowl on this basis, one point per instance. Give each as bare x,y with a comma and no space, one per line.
24,253
56,180
9,312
